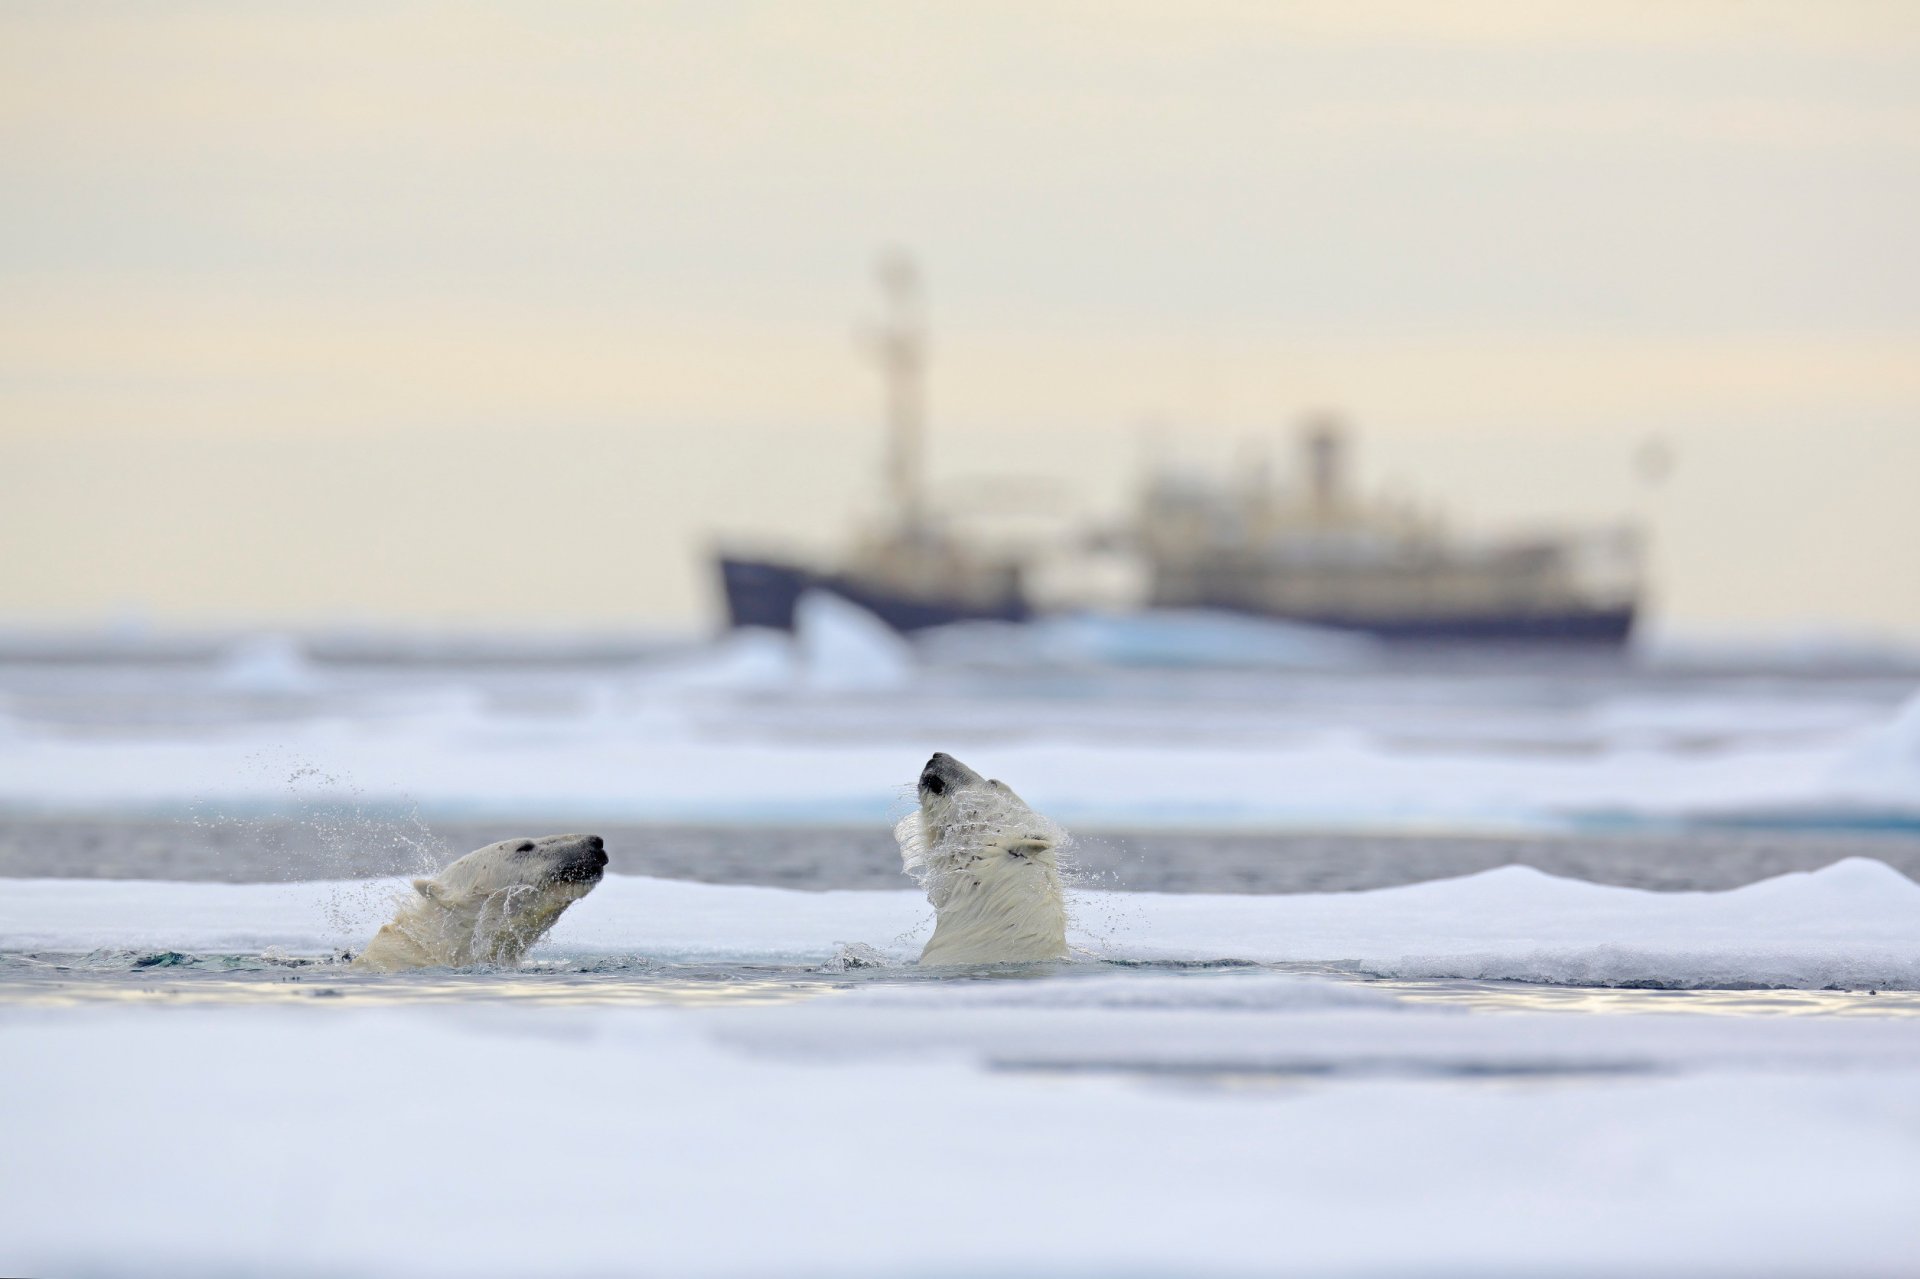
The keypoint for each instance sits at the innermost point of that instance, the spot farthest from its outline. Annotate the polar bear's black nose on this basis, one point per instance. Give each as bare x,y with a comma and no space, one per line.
598,847
943,772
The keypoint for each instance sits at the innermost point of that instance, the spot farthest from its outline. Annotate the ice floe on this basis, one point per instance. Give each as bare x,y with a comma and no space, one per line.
1854,924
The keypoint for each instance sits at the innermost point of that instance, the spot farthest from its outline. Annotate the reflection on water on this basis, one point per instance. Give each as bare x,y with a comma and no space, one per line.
1494,996
46,980
172,977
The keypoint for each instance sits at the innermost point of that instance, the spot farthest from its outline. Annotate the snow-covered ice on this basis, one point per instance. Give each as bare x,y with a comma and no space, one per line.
831,724
497,1140
1853,924
632,767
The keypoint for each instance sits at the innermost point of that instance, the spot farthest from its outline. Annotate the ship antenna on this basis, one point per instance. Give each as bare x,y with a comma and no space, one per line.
901,346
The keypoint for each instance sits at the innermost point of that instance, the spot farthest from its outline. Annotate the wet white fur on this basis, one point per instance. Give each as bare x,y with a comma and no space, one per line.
488,907
990,868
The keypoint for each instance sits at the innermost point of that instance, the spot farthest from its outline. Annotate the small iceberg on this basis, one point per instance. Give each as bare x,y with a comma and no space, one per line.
270,665
836,647
844,648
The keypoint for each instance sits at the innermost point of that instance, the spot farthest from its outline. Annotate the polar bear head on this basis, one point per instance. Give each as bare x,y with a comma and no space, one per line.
490,906
990,868
958,807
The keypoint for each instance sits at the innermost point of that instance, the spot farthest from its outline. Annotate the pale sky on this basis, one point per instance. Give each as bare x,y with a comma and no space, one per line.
434,314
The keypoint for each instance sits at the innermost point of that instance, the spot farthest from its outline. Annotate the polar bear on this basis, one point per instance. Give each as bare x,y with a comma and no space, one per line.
490,906
989,866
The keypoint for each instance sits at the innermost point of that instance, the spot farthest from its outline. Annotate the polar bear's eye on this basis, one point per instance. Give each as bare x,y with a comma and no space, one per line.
525,848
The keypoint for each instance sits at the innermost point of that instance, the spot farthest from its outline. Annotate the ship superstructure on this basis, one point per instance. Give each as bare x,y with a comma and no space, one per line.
1314,551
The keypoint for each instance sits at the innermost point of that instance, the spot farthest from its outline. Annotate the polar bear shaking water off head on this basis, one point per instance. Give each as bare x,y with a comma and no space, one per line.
989,866
490,906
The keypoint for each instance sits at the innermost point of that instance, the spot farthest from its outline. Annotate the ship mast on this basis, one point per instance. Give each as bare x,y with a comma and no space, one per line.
901,347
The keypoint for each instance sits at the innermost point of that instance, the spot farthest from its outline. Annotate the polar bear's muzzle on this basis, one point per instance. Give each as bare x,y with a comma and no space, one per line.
945,774
582,863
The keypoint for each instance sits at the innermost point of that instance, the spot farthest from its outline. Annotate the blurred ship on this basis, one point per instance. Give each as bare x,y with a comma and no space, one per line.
1311,552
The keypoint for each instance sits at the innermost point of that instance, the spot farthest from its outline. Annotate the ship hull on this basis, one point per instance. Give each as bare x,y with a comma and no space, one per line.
761,592
1595,627
766,592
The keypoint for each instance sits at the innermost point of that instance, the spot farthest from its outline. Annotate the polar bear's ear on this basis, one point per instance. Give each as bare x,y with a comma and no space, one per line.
1006,790
427,889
